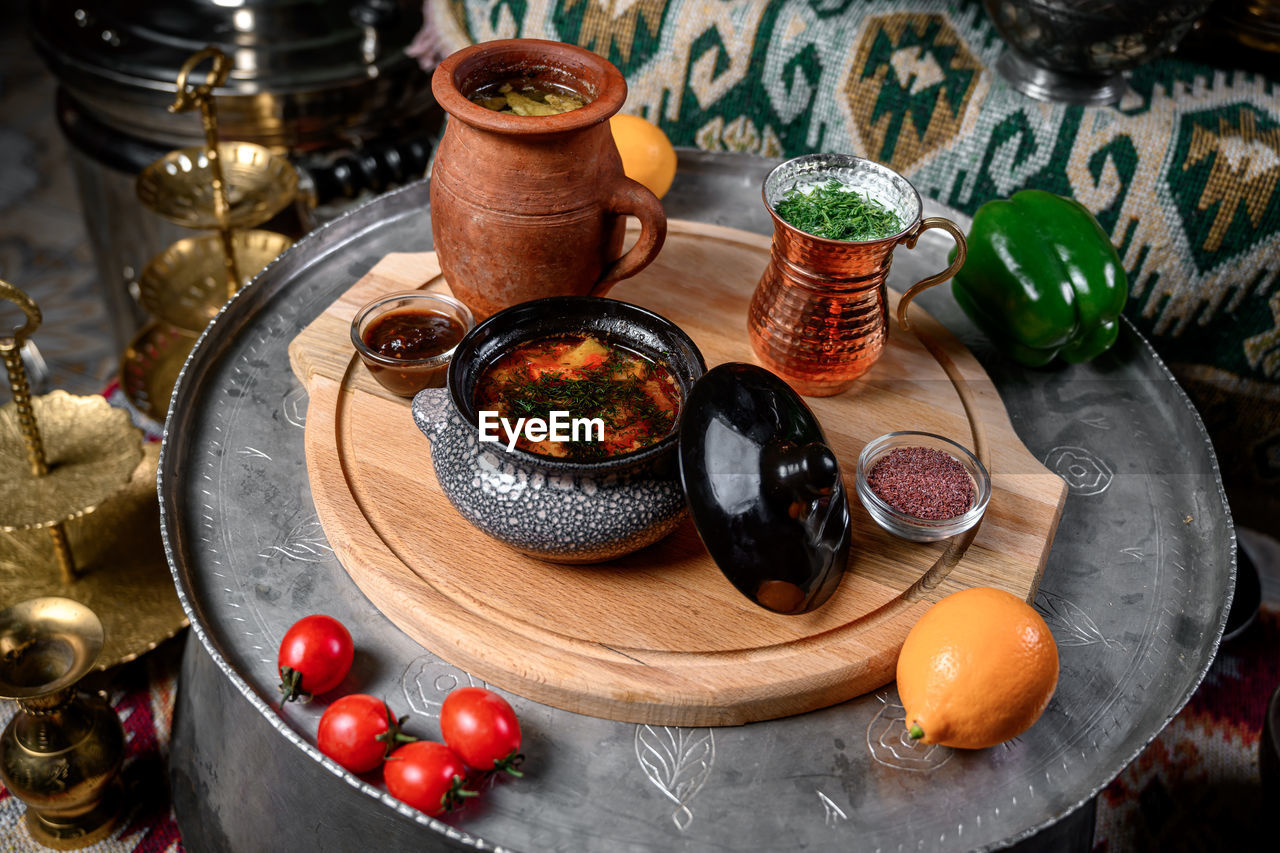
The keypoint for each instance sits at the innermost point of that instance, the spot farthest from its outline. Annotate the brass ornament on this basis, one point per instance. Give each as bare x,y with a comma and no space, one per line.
225,187
77,489
23,423
91,450
201,97
150,365
179,186
62,752
122,572
183,285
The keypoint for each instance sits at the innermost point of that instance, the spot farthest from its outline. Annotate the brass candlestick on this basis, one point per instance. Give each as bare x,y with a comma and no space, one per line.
74,474
61,753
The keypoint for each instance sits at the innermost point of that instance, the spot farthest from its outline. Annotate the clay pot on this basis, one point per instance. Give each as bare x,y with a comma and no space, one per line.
566,511
525,207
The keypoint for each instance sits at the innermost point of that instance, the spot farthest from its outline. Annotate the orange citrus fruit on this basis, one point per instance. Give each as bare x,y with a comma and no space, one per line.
647,153
977,669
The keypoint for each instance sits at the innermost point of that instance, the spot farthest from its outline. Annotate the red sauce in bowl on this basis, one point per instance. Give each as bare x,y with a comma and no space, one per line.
413,334
409,344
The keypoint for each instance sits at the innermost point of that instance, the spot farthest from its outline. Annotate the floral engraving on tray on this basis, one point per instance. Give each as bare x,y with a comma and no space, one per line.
305,542
1085,473
294,407
890,745
428,680
832,814
677,761
1098,421
1070,625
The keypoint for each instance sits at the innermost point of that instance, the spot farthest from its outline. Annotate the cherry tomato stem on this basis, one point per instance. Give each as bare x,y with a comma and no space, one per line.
393,736
509,765
291,686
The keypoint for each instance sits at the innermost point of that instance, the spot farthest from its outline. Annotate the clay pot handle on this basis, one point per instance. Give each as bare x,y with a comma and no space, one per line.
430,409
631,198
962,250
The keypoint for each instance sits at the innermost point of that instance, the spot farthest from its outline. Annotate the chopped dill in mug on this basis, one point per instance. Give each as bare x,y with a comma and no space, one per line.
837,212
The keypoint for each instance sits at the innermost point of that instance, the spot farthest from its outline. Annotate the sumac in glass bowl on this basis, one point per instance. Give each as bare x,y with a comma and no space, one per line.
583,507
921,486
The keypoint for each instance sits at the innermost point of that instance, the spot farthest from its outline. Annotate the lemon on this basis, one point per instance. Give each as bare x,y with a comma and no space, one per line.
647,154
978,668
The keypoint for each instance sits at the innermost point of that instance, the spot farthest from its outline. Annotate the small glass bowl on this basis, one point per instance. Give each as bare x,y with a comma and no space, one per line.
406,377
909,526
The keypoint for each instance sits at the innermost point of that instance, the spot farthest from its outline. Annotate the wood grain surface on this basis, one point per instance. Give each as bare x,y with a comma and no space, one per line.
660,636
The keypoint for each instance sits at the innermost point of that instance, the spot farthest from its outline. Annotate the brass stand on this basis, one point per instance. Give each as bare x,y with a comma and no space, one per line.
228,188
78,490
98,465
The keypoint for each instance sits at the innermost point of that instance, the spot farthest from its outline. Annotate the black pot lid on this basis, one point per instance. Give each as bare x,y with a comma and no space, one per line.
764,488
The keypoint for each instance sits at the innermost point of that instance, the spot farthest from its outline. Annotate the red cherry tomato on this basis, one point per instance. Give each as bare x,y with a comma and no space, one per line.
426,775
480,726
315,655
357,731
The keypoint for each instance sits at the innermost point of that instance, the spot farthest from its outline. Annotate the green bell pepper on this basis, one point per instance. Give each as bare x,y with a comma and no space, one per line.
1042,279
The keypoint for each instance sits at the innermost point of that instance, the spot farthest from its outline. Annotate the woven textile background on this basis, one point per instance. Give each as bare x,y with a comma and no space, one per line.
1183,172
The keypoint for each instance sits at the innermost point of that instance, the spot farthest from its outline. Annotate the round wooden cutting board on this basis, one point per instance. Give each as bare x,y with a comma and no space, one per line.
660,636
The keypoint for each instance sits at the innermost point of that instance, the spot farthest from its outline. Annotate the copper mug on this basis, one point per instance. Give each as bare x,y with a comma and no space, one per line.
524,207
819,315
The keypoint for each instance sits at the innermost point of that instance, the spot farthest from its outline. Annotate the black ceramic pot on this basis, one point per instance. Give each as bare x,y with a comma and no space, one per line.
564,511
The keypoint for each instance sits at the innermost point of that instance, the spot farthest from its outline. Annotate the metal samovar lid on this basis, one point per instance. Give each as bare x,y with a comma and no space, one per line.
304,73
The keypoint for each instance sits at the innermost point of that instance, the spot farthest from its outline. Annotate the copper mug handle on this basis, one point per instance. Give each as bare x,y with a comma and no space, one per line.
631,198
962,250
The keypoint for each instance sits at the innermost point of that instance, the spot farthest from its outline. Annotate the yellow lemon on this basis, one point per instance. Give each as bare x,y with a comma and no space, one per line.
976,669
647,153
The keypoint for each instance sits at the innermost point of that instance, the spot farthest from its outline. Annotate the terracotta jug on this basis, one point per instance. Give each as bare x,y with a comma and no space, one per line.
524,207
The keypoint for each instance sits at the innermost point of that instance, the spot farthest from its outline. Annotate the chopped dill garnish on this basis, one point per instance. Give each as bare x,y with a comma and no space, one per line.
836,212
609,391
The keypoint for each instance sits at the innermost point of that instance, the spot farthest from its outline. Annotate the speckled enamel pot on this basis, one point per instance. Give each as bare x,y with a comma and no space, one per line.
569,512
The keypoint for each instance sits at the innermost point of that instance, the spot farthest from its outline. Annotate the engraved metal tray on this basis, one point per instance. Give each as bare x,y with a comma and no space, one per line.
1136,591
